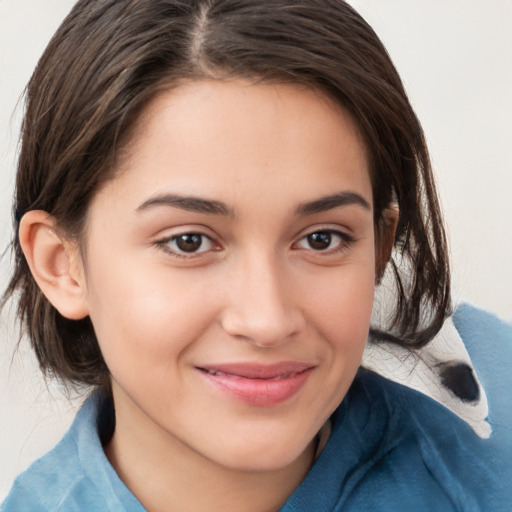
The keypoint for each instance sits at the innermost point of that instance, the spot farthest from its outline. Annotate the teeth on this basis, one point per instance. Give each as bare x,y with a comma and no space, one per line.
211,372
277,377
283,376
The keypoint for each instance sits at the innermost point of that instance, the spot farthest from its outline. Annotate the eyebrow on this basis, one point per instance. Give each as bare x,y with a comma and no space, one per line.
213,207
188,203
332,201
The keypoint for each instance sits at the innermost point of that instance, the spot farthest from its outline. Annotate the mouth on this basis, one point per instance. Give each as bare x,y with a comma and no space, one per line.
259,385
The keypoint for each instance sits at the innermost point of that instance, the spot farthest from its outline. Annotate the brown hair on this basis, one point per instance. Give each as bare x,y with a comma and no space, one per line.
109,58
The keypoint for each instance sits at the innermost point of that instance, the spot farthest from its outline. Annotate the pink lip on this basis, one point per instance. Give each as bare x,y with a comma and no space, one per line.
255,384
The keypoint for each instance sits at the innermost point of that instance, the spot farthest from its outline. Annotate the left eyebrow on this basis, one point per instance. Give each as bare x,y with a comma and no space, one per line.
188,203
330,202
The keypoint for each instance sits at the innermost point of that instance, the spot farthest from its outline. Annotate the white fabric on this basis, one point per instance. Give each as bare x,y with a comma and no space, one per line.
420,369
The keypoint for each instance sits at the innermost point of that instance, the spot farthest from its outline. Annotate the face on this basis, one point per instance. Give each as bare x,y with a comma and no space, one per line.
230,270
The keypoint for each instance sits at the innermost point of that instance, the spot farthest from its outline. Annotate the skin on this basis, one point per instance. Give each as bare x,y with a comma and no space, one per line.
256,290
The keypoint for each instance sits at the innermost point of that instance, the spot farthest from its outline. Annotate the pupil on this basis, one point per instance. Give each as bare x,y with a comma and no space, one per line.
320,240
189,242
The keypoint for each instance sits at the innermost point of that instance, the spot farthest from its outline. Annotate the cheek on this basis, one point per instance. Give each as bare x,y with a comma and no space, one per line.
144,317
342,315
339,309
347,323
343,305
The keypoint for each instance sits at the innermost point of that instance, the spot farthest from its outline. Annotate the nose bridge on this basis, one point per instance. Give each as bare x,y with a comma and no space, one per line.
261,308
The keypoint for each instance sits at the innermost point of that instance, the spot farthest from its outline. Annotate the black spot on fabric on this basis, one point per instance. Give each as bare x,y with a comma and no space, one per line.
460,380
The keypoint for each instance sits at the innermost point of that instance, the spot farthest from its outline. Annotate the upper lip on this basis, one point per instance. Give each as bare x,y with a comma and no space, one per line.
258,371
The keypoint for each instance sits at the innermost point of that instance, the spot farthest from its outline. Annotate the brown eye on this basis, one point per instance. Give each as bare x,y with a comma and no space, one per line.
326,240
189,242
320,241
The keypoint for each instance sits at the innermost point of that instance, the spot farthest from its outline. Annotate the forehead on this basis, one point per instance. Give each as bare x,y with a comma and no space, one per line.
235,138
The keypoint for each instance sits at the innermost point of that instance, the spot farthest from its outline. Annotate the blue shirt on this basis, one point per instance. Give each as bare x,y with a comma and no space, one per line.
391,448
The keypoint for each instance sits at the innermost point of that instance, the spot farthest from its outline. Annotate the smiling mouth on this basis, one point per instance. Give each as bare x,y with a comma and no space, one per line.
259,385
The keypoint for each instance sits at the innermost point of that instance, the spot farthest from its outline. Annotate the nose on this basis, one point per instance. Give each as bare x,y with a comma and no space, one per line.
261,306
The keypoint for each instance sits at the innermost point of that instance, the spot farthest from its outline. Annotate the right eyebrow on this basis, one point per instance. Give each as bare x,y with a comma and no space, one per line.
188,203
326,203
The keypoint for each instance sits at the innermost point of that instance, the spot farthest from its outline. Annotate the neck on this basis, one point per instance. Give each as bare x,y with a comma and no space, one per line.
165,474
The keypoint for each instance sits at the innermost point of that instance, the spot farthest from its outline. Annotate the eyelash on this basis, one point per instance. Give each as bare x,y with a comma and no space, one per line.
344,241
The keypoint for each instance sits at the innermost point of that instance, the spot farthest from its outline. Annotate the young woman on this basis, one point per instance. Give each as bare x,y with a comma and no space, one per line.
208,194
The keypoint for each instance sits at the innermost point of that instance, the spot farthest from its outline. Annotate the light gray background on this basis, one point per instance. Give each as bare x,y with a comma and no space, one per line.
455,59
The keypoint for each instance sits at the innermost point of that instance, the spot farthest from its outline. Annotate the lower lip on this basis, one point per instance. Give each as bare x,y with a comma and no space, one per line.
260,392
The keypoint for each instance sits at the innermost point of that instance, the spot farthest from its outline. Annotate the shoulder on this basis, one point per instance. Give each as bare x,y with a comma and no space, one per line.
488,341
75,475
395,448
392,449
466,368
423,456
438,451
48,481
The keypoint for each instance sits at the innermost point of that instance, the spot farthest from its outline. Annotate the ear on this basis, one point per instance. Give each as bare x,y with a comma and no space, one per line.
385,238
55,264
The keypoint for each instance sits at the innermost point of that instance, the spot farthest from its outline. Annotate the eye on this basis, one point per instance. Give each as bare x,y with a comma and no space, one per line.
325,240
188,243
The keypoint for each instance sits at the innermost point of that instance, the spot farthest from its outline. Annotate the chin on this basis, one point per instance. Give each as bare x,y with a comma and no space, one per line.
273,456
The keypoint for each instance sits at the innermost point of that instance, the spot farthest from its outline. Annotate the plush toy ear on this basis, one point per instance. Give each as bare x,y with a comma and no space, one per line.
385,239
55,264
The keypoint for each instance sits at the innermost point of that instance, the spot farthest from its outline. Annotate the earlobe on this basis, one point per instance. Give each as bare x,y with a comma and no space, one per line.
385,238
54,263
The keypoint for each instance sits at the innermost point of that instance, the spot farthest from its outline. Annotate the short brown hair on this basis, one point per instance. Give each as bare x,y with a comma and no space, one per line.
109,58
